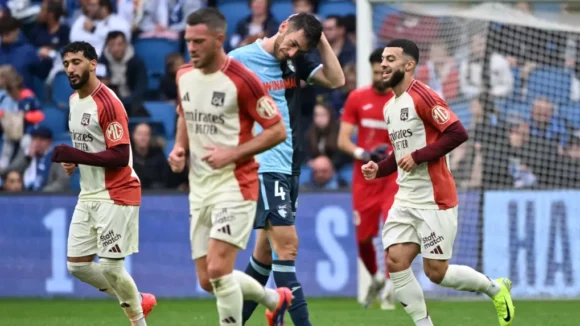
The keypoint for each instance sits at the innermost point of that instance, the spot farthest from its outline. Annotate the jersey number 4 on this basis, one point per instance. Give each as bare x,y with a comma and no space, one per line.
279,191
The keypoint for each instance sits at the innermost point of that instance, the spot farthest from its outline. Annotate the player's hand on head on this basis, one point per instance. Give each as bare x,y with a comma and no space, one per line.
177,159
369,170
407,163
217,158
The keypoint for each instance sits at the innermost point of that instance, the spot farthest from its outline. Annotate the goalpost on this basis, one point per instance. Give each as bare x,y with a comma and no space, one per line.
512,78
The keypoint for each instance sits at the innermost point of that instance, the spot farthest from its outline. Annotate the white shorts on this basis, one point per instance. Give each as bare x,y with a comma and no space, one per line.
434,230
231,222
105,229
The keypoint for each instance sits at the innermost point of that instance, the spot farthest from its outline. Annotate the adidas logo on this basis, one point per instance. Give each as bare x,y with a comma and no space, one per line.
115,249
229,320
185,97
437,251
225,229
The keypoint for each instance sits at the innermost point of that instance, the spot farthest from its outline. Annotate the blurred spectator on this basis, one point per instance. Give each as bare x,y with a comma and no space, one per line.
338,96
569,167
350,27
323,174
168,87
545,124
96,23
260,23
466,161
39,173
305,6
149,18
19,112
500,74
335,32
149,161
440,71
21,55
421,29
12,182
23,10
126,72
51,32
322,137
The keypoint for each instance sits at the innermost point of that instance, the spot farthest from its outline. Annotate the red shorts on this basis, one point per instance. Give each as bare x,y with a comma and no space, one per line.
370,209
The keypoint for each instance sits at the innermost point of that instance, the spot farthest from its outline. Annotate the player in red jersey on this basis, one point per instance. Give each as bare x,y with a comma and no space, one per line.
423,219
105,222
363,110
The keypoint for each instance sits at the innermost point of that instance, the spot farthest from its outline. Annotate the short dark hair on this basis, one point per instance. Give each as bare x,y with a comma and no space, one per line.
114,34
309,24
339,20
9,24
210,17
56,9
376,56
88,50
409,47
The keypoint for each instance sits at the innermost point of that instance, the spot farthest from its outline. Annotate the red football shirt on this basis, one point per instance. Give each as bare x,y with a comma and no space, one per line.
364,109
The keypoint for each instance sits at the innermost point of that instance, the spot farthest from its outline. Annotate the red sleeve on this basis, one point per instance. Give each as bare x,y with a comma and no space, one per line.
387,166
351,107
452,137
253,98
432,109
112,118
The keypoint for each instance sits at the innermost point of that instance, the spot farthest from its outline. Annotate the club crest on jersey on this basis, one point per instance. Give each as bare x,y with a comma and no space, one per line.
114,131
266,108
440,114
404,114
86,119
218,99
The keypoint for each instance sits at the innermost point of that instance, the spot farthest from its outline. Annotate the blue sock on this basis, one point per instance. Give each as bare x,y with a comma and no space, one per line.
285,276
260,272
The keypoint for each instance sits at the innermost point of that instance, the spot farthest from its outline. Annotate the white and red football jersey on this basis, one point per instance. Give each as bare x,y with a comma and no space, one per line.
96,123
416,119
220,110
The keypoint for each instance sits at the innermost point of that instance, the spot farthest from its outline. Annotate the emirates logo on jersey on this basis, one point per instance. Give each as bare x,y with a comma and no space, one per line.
114,131
440,114
267,108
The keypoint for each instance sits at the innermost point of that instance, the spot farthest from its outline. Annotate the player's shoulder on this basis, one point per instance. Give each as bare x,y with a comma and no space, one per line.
184,68
241,75
106,99
242,51
424,96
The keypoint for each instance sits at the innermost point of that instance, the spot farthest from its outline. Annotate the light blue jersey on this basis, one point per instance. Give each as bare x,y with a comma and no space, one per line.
263,64
282,80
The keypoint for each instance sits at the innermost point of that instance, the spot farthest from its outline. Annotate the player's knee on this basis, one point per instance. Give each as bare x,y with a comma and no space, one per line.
78,269
205,283
112,269
397,263
435,271
285,242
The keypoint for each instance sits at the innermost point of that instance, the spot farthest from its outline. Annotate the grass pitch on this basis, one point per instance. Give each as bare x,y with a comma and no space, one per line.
324,312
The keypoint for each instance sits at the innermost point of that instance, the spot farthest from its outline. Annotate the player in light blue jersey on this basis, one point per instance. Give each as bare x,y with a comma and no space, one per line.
281,64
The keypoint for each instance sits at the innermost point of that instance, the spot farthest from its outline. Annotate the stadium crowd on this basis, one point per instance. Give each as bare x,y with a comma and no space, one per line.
517,95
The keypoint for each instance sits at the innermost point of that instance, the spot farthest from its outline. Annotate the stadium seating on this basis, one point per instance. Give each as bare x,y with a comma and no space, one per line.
553,83
336,7
282,10
234,11
345,173
164,113
61,90
153,52
55,119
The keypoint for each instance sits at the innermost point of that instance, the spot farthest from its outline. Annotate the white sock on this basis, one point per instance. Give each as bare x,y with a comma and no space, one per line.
254,291
409,293
126,289
230,300
465,278
91,274
378,277
424,322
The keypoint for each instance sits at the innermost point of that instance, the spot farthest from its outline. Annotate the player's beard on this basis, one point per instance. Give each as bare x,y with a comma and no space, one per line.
396,78
82,80
279,39
380,86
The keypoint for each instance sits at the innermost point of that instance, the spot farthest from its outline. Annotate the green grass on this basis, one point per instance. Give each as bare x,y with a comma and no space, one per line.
324,312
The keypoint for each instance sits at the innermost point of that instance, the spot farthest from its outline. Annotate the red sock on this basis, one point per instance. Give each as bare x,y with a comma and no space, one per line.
366,252
387,275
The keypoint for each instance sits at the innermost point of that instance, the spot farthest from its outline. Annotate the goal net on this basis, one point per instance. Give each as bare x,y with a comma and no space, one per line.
512,78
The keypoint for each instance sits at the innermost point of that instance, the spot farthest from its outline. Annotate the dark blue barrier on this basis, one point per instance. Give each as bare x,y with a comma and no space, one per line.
33,232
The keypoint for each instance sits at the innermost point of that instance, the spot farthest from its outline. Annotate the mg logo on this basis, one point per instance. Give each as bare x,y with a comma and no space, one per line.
440,114
267,108
114,131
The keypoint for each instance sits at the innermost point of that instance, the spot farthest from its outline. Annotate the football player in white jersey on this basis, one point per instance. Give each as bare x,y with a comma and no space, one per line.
220,101
105,222
423,219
